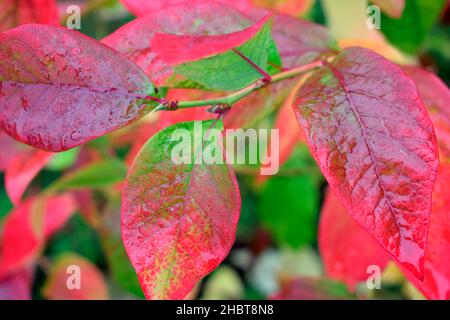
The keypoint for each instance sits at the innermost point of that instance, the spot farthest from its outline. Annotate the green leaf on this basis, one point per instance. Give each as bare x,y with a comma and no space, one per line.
63,160
289,205
118,262
409,32
76,236
96,175
228,71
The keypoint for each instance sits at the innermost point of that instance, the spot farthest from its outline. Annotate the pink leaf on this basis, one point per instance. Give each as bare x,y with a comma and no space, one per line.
346,249
28,226
14,13
178,221
373,140
23,168
74,91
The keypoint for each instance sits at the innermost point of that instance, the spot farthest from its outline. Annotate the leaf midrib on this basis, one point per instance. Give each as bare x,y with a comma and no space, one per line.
344,86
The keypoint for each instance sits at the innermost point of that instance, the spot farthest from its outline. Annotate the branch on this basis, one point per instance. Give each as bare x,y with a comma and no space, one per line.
231,99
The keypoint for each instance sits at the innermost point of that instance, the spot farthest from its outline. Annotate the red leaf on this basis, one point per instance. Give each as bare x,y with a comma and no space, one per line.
178,221
176,49
436,96
92,285
23,168
194,18
300,42
346,249
436,283
17,286
14,13
371,136
28,226
74,91
289,131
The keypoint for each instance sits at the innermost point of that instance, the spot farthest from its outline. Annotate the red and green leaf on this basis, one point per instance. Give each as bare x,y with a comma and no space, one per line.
374,142
204,19
74,91
174,232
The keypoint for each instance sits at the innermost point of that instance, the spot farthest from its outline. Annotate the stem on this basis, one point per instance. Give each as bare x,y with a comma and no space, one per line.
238,95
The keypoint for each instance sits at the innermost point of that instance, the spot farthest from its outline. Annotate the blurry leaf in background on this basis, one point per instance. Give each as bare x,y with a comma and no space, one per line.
97,174
290,132
304,262
289,204
436,96
73,270
23,168
15,13
347,20
437,45
263,274
5,204
295,8
228,71
347,250
10,148
119,264
223,284
251,7
392,8
77,237
409,32
312,289
17,285
63,160
273,267
28,226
